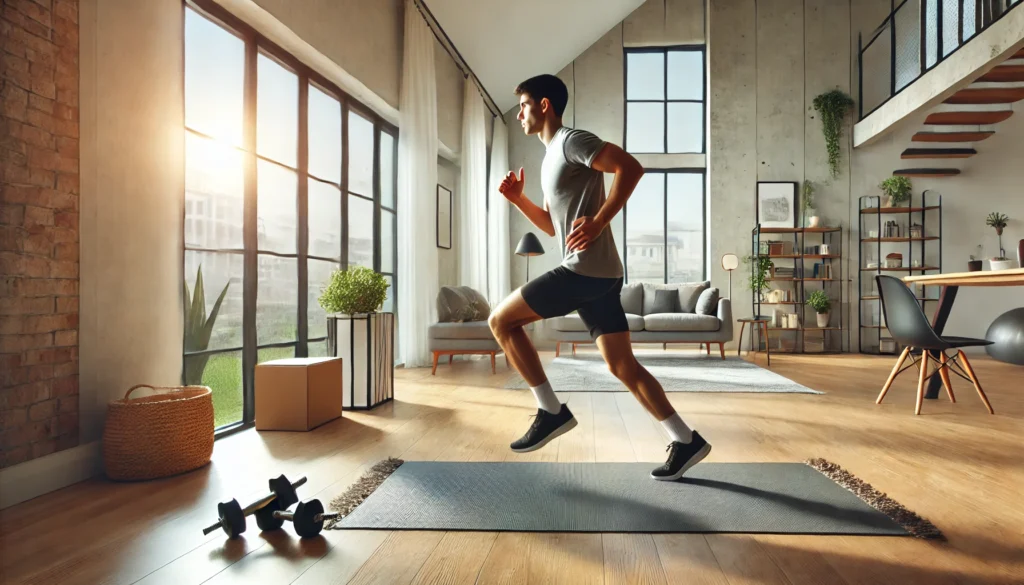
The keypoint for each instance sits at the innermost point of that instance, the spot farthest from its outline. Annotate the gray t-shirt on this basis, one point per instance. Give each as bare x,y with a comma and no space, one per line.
572,190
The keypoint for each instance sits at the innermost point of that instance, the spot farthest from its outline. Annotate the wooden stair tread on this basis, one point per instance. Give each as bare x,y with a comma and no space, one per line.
951,136
968,118
929,172
938,153
987,95
1004,73
1019,55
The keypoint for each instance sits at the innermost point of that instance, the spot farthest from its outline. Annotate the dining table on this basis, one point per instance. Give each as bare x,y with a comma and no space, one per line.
951,283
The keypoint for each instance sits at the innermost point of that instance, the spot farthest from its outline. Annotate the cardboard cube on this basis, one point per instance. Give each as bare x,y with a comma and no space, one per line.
297,394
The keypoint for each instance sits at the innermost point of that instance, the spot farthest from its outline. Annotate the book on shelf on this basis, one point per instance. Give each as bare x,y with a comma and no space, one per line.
822,270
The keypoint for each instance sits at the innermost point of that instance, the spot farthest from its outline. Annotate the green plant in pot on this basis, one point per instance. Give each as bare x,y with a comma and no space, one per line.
897,189
998,221
762,266
354,291
811,218
832,107
821,304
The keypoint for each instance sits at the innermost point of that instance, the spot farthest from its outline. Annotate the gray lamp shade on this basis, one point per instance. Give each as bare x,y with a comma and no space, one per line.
529,245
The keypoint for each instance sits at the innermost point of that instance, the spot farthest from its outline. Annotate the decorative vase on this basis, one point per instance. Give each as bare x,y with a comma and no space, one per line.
823,319
813,221
974,266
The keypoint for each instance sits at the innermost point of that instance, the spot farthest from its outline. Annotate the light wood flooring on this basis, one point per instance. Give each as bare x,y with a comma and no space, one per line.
955,464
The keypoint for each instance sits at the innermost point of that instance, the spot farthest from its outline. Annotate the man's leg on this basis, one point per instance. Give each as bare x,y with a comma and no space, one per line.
507,323
546,296
618,354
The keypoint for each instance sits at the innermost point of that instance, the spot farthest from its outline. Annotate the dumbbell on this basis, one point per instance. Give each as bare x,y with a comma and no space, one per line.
232,516
308,518
286,497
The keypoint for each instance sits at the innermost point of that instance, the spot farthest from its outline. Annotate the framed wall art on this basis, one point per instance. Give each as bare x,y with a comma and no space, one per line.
776,204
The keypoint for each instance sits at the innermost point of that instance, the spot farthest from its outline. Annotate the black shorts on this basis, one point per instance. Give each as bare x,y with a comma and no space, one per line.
562,291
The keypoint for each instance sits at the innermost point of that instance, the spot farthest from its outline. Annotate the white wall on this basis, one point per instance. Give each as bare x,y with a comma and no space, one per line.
133,185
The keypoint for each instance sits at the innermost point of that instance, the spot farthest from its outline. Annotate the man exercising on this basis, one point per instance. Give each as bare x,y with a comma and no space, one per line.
589,279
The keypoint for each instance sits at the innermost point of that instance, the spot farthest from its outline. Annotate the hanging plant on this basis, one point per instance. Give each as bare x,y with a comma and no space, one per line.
832,107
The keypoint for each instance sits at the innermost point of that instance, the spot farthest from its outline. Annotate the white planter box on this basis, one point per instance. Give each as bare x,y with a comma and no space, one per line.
365,342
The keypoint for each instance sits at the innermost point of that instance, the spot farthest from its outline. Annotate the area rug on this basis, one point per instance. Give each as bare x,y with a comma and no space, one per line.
813,497
587,372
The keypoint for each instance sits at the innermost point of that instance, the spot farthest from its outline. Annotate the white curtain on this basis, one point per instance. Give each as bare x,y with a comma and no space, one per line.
473,193
418,281
497,231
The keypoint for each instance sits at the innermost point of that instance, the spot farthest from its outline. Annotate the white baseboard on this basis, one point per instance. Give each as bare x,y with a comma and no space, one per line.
34,478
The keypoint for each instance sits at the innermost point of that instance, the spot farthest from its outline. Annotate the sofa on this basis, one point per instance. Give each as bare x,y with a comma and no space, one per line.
660,313
462,327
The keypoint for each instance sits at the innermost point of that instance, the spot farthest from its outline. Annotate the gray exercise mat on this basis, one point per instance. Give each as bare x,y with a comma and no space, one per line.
778,498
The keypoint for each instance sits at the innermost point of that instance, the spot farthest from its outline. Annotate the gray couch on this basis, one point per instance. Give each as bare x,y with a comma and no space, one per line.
680,313
462,327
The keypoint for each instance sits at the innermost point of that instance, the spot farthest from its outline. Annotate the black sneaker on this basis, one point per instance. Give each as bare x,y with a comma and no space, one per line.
681,457
545,428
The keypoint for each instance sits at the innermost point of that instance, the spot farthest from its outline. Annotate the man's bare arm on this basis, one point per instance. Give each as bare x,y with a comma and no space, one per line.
628,172
512,188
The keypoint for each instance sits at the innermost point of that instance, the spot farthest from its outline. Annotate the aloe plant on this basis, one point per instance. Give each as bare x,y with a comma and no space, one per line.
198,327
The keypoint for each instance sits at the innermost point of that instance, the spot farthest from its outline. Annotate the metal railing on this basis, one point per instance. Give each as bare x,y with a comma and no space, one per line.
916,36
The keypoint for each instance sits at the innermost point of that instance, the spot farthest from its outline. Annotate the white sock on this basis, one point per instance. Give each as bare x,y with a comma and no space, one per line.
677,429
546,398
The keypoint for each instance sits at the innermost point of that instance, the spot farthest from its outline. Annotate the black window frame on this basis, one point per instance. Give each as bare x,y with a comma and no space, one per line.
665,50
664,232
255,43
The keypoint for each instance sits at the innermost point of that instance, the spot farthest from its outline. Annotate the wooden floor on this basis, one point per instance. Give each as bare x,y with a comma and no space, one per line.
955,464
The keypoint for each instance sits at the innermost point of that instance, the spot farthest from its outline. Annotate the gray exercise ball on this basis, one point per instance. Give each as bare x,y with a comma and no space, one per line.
1007,336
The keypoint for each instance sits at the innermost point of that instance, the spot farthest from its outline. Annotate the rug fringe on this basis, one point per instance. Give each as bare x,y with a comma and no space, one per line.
361,489
910,521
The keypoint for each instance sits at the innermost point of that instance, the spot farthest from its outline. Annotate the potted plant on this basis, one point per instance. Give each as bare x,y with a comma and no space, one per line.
998,221
759,274
897,189
832,107
356,291
361,335
975,264
811,218
821,304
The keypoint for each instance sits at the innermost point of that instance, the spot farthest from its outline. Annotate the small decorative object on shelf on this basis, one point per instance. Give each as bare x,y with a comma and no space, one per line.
821,304
902,247
361,336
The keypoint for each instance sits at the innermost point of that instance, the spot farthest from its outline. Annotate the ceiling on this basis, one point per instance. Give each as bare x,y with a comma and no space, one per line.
505,42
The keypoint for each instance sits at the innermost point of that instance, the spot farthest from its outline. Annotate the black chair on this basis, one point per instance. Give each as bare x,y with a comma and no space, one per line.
910,328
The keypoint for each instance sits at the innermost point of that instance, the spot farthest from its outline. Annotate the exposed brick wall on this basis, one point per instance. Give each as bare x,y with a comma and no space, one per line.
38,229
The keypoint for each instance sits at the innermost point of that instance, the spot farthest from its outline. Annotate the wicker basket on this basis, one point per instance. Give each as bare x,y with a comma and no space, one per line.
159,435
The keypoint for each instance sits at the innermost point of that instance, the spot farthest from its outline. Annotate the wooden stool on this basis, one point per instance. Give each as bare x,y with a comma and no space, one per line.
758,323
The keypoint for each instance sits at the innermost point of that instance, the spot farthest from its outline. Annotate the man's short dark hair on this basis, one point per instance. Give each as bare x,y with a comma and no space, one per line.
546,86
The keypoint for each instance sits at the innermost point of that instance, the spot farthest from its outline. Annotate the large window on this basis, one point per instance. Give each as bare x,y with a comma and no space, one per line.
287,179
664,228
665,100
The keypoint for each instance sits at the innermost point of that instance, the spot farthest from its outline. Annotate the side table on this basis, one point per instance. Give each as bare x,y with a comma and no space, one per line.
754,323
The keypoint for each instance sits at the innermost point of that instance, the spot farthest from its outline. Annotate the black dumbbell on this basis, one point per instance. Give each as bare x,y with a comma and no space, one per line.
308,518
232,516
286,497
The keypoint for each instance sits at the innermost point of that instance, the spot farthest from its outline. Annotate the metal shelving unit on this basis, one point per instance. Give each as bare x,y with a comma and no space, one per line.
925,249
832,336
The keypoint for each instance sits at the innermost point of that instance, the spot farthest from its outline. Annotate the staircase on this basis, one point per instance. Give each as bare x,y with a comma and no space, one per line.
966,118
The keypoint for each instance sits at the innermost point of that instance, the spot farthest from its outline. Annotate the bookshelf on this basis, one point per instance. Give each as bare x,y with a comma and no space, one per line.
802,260
898,241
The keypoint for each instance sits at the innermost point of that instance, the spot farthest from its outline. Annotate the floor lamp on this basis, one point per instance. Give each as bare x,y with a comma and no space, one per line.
730,262
528,246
